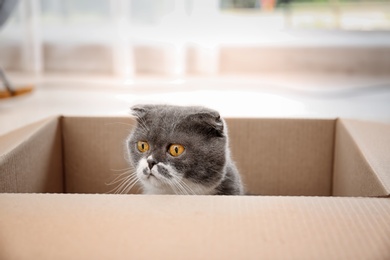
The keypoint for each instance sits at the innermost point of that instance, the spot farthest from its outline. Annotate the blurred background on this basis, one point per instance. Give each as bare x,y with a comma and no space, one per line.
252,58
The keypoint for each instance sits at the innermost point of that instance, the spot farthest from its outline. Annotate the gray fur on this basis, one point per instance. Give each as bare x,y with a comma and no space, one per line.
205,167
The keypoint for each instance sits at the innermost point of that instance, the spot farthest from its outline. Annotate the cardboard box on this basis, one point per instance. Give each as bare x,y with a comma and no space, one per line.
333,175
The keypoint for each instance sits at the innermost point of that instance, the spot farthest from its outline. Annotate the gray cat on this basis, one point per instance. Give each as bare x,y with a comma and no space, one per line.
182,150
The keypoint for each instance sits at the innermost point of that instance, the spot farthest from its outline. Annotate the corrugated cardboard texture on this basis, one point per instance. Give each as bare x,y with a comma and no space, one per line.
31,158
94,152
192,227
362,159
284,156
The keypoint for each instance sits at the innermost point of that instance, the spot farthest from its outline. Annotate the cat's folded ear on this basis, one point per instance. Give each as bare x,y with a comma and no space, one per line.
210,120
139,110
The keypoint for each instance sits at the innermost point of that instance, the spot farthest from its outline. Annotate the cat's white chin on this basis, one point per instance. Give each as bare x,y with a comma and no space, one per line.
153,185
153,182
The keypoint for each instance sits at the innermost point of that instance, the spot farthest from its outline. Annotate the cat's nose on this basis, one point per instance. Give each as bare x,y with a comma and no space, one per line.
151,163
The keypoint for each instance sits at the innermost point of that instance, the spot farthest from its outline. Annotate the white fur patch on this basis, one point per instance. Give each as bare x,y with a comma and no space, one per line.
159,184
155,183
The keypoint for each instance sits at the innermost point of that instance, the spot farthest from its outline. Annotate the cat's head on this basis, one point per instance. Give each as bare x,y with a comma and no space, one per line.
178,150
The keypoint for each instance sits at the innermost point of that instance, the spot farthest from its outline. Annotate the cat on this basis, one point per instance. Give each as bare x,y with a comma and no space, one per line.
182,150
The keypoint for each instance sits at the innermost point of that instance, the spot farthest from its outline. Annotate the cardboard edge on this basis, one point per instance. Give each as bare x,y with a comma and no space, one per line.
364,153
61,123
341,123
23,134
24,137
335,123
281,227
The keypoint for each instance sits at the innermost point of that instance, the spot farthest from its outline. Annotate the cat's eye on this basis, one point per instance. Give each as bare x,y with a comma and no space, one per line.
176,149
142,146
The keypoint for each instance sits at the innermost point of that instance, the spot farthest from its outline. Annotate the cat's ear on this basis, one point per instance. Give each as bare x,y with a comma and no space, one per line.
210,120
139,110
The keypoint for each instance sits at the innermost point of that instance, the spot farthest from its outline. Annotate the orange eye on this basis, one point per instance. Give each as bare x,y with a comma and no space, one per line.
176,149
142,146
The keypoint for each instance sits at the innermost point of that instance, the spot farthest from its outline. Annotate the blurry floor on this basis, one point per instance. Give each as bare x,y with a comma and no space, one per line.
272,95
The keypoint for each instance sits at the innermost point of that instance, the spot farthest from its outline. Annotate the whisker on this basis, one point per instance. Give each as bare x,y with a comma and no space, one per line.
129,189
173,186
114,190
120,178
120,175
128,183
185,192
119,123
119,170
188,187
181,188
143,123
122,186
185,186
119,186
170,184
123,183
141,126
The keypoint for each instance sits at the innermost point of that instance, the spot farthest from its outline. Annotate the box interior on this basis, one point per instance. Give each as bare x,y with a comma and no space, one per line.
288,157
318,159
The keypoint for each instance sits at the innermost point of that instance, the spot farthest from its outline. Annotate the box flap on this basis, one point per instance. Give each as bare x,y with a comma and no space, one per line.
362,159
284,156
72,226
31,158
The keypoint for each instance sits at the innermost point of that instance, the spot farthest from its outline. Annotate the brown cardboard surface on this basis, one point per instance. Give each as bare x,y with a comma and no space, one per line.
284,156
362,159
94,152
192,227
31,158
275,157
